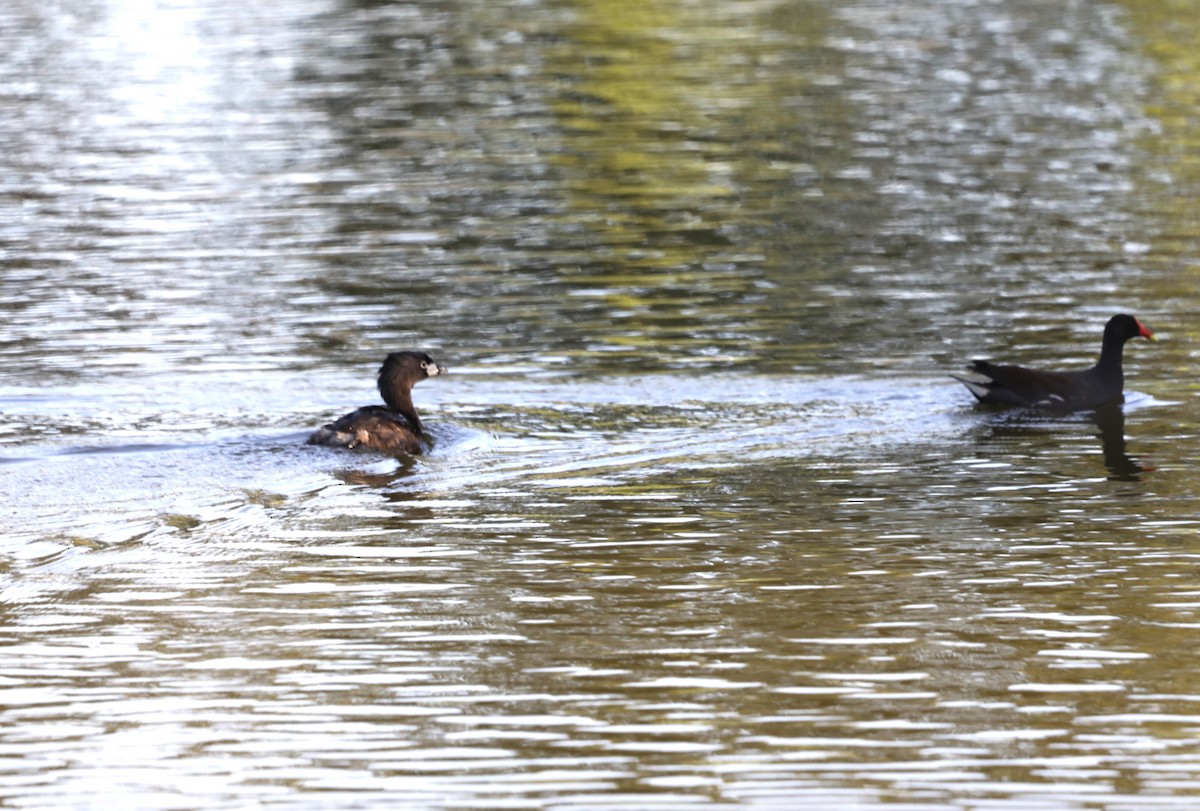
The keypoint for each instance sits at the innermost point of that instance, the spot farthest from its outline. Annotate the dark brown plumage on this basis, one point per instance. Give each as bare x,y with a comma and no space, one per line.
1060,391
394,428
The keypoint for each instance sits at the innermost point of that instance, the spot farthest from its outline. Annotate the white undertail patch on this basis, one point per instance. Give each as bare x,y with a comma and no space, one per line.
978,389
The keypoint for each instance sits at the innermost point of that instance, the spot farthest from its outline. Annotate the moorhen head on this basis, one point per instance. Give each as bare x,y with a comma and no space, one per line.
1060,391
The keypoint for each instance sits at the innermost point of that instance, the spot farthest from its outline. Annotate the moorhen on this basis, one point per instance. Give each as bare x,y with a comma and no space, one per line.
1060,391
395,428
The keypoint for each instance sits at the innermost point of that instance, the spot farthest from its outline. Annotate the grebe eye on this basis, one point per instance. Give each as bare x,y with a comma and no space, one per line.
424,365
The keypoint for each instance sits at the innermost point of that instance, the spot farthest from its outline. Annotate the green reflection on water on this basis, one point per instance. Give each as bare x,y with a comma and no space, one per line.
673,161
1168,172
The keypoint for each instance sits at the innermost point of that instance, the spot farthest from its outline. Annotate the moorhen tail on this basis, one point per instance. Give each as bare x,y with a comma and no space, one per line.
1060,391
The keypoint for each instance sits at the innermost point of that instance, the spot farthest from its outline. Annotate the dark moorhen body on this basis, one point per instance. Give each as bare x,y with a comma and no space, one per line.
394,428
1060,391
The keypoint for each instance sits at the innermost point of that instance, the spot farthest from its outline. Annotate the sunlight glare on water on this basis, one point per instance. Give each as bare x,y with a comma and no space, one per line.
704,522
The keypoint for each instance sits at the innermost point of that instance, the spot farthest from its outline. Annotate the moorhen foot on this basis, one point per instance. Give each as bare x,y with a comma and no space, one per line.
1060,391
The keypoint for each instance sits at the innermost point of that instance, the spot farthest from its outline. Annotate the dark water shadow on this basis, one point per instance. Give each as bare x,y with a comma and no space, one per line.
132,447
1108,422
376,479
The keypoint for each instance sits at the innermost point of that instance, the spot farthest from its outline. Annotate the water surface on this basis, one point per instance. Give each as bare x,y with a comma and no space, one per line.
705,522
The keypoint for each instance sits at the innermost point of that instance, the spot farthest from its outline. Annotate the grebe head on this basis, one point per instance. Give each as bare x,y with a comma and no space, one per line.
400,372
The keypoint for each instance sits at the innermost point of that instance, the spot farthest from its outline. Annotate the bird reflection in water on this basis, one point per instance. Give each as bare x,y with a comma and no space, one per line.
1110,419
374,478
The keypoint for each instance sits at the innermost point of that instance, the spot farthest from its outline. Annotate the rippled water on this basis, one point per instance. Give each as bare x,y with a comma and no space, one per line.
706,523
